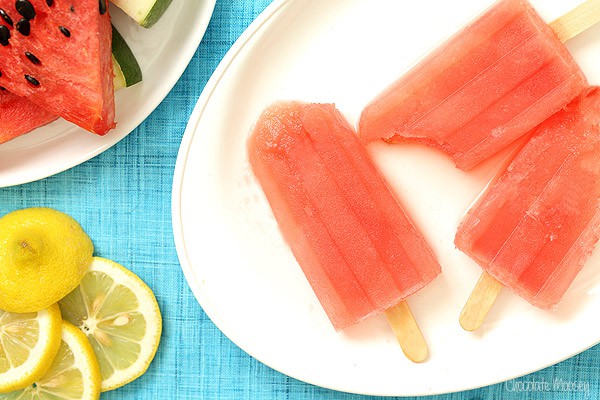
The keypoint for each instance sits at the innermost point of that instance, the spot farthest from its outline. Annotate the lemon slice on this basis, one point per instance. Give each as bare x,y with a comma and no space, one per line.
28,344
120,316
73,375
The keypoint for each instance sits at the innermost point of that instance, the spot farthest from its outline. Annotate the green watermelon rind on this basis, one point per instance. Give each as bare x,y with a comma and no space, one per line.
155,13
125,59
144,12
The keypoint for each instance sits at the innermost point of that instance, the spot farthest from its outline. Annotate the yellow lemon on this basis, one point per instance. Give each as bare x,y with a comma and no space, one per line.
28,344
43,256
73,374
120,316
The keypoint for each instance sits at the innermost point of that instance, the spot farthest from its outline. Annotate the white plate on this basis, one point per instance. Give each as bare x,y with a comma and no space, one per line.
245,277
163,53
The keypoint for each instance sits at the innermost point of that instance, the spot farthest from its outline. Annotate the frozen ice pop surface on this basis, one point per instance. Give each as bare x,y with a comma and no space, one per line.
538,222
488,85
354,242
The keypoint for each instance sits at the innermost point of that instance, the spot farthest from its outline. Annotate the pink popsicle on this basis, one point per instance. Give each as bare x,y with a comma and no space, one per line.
536,225
354,242
486,87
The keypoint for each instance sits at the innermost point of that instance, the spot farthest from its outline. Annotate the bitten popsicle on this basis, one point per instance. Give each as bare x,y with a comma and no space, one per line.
485,87
356,245
535,226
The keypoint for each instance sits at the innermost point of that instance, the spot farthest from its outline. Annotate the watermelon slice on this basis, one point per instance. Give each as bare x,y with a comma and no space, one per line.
57,53
19,116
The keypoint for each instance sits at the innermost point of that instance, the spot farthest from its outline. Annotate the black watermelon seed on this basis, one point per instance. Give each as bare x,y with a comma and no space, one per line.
23,27
102,4
2,88
0,75
72,8
6,17
32,80
32,58
4,35
65,31
25,8
50,3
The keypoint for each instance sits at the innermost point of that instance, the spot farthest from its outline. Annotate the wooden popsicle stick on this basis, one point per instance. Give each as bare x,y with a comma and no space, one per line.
407,332
577,20
479,303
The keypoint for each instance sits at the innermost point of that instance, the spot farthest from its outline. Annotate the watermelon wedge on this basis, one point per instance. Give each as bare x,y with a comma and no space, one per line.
57,53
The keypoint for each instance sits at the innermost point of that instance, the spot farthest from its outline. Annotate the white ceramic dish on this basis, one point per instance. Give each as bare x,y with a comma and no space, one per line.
245,277
163,53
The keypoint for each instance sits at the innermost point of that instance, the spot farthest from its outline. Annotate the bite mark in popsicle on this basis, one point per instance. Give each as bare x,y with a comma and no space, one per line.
483,89
537,224
356,245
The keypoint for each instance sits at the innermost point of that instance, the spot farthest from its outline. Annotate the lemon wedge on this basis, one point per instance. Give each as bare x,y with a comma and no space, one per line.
43,256
73,375
121,318
28,344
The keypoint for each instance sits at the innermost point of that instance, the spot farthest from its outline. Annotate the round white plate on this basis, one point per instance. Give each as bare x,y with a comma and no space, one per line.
244,275
163,52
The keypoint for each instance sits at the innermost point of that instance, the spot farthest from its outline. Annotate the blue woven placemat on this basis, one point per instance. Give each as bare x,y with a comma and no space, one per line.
122,199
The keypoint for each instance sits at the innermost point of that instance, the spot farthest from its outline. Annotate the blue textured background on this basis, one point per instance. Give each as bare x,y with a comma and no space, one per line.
122,199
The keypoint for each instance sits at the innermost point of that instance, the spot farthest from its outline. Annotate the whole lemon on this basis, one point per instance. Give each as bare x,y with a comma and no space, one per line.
44,254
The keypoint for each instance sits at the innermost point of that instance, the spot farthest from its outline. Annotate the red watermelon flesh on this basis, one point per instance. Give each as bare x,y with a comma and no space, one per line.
19,116
63,62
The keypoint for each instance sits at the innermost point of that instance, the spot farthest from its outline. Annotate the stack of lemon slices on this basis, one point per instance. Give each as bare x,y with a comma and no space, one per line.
71,325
